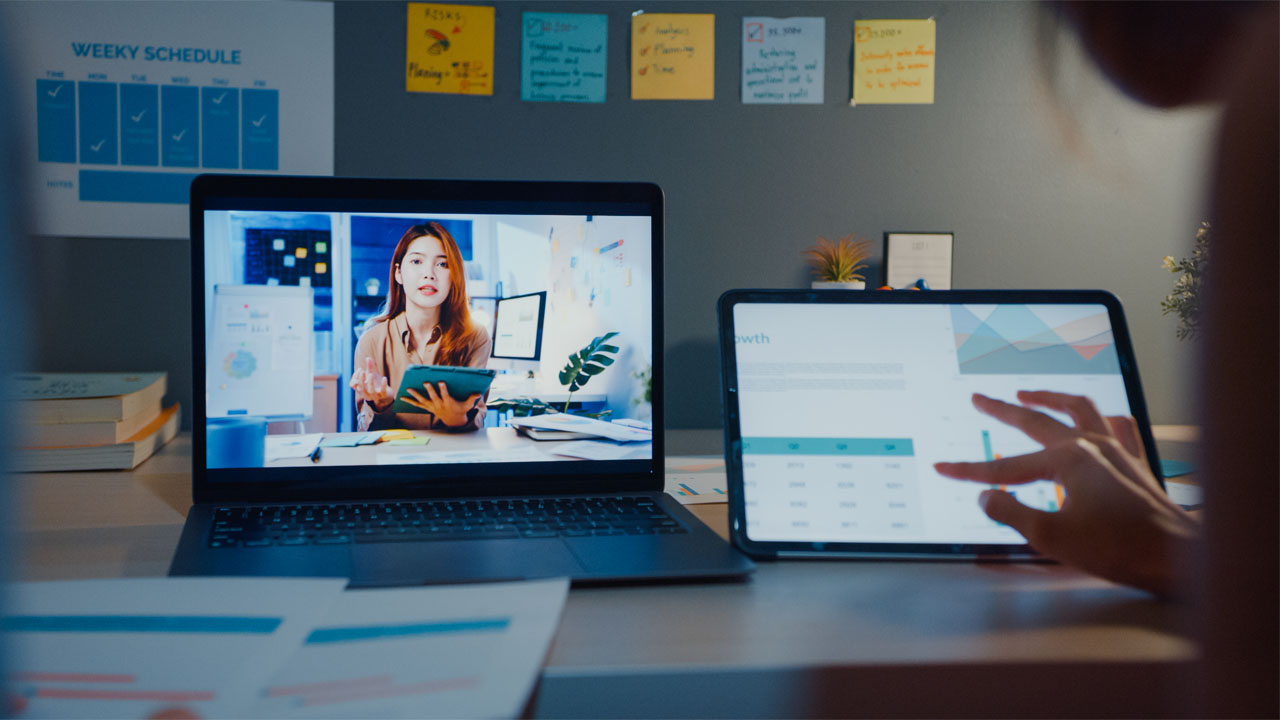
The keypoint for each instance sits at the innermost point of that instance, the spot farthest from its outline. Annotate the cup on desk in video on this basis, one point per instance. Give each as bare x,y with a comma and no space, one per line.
236,442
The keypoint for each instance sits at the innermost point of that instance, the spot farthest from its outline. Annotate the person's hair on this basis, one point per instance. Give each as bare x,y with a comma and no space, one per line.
457,332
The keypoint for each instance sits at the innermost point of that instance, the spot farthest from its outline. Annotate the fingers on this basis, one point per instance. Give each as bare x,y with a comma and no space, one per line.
1081,409
1034,525
1125,429
415,399
1038,426
1042,465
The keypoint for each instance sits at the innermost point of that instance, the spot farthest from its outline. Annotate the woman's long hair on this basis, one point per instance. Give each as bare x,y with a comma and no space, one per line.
457,332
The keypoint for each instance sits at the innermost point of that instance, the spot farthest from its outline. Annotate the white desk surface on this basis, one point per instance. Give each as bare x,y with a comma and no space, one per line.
658,650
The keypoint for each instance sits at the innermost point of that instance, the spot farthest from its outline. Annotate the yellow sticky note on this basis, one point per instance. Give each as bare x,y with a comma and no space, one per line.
322,268
300,253
449,49
893,61
398,434
673,56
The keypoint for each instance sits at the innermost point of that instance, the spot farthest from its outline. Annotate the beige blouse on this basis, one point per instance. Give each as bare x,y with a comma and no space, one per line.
391,345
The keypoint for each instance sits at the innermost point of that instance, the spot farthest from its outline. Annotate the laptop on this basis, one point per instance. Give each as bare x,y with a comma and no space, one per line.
837,405
302,284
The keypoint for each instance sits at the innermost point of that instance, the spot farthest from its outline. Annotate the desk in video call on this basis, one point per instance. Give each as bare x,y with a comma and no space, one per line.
496,440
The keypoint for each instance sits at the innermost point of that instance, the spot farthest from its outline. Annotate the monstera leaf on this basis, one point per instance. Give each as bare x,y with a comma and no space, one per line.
586,364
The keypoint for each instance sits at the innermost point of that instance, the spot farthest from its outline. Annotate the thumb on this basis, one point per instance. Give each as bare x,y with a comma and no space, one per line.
1005,508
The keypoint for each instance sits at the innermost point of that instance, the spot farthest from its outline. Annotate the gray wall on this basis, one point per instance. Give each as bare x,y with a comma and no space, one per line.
748,187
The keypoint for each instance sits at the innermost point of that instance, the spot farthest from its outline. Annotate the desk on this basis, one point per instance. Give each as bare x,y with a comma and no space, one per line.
801,638
496,444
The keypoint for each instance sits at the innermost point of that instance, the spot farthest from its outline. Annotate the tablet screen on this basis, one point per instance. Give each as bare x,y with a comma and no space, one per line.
844,409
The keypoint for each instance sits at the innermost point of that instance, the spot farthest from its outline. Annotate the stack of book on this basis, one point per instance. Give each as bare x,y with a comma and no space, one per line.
89,421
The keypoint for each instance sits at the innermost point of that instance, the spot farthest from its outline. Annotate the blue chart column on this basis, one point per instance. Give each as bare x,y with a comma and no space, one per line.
56,120
261,124
140,124
98,129
220,118
179,126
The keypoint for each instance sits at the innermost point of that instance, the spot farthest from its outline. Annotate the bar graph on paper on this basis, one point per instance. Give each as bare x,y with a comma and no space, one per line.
696,480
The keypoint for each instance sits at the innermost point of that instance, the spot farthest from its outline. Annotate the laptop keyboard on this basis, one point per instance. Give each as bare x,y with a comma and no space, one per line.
416,521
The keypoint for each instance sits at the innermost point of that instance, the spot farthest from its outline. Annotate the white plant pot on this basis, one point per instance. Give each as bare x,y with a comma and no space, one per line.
831,285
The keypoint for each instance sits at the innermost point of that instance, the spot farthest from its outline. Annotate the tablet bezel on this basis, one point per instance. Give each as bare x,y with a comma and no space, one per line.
733,440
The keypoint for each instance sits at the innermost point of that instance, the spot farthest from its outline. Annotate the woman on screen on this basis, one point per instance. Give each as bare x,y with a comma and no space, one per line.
425,322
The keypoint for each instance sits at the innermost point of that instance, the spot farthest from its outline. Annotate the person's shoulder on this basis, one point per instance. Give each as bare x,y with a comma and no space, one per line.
479,343
374,335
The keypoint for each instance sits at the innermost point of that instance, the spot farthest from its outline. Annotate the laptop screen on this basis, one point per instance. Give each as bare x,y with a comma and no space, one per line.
359,333
844,407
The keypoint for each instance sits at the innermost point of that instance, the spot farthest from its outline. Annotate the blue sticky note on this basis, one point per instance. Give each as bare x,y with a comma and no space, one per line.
564,57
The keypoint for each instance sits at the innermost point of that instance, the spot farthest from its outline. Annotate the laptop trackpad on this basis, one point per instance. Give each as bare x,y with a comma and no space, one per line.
388,564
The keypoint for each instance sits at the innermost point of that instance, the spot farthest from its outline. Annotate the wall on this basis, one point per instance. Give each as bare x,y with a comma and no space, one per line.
748,187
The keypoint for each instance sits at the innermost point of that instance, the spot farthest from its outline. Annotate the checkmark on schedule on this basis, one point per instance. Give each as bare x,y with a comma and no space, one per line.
218,100
259,121
54,92
98,146
180,135
138,117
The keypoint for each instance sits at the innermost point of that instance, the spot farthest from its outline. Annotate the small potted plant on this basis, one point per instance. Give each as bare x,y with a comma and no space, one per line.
1184,301
839,265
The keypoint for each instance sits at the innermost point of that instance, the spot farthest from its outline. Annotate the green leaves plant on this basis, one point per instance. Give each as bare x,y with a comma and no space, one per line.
587,363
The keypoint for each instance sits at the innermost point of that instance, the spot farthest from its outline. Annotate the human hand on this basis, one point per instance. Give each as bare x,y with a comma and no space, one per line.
438,402
371,387
1115,522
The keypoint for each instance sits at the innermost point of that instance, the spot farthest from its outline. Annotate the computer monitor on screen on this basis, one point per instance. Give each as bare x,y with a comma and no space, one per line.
517,332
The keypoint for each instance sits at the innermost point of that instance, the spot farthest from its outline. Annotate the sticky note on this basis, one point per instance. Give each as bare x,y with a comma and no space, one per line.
322,247
783,60
300,253
893,61
278,244
564,57
290,261
399,434
322,268
449,49
673,56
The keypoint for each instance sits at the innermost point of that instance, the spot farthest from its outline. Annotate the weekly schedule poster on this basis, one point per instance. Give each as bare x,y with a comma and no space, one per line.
124,103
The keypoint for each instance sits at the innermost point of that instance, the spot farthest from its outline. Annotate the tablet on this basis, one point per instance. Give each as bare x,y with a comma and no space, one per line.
838,403
462,383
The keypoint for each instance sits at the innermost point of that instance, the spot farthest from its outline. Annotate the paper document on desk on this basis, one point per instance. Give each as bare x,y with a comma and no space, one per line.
603,450
453,652
696,480
130,648
280,447
585,425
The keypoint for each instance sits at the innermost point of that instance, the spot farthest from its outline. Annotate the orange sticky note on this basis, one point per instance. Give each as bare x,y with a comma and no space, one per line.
300,253
449,49
673,56
322,268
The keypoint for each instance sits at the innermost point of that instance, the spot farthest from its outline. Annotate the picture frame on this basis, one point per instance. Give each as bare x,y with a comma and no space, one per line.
913,256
